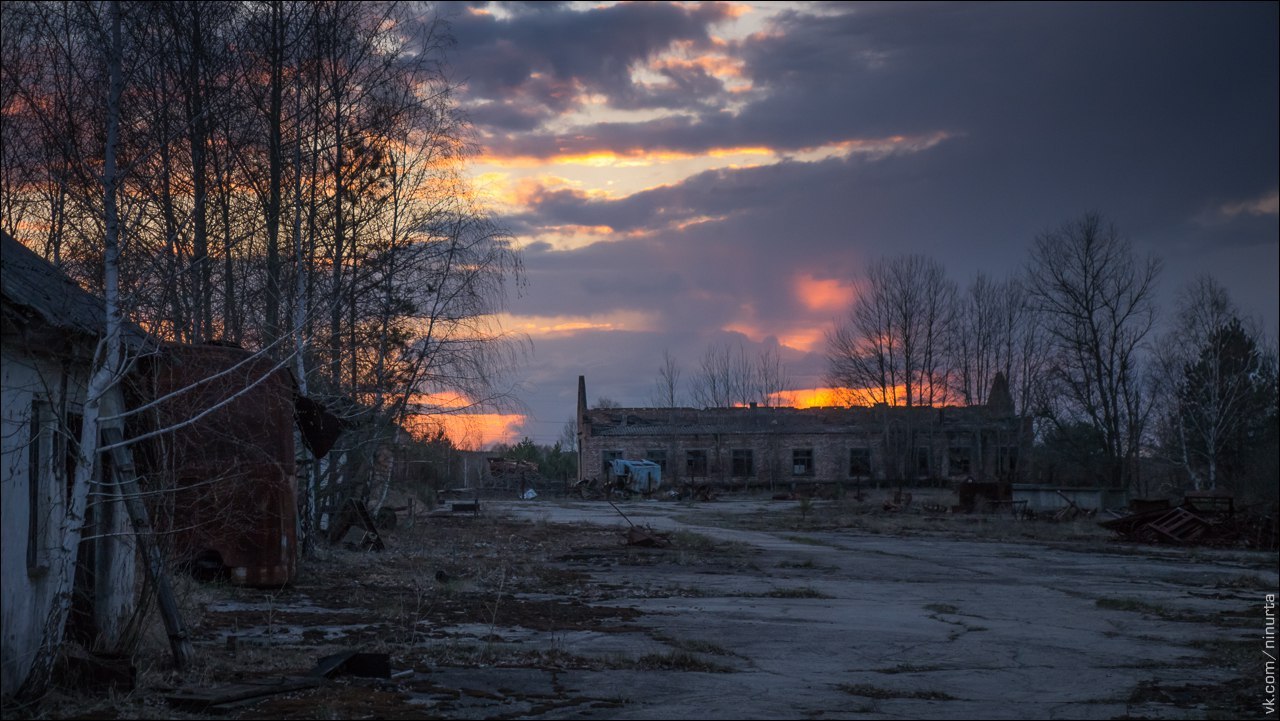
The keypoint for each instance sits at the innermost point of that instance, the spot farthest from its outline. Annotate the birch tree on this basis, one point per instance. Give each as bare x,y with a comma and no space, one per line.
108,363
138,150
1219,385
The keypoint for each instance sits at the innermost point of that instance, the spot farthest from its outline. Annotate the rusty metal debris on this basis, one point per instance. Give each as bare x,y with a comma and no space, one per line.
900,502
232,695
1179,525
355,528
1208,519
646,537
1071,511
353,663
642,535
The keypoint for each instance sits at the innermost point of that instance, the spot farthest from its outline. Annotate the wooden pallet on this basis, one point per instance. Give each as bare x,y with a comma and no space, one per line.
1179,525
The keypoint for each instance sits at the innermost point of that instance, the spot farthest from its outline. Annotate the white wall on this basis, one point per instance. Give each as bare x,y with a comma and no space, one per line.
25,594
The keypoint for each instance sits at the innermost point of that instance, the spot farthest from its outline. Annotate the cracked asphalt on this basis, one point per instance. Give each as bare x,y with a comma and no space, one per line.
843,624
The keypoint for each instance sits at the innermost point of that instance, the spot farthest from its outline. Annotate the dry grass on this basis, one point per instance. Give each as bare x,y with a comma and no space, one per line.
381,602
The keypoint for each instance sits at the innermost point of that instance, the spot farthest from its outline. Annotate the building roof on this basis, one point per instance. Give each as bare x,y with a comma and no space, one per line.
38,287
784,420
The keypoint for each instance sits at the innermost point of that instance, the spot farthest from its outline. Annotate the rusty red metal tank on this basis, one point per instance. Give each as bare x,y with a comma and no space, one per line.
225,460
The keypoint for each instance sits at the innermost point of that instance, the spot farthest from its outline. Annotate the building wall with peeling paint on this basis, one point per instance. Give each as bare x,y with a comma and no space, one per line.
49,328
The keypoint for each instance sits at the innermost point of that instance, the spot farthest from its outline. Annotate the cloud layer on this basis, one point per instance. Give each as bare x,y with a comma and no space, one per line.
683,173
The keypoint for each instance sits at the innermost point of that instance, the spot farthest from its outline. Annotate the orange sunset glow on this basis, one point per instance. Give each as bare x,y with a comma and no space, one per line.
823,293
804,339
469,431
467,424
810,397
827,397
620,157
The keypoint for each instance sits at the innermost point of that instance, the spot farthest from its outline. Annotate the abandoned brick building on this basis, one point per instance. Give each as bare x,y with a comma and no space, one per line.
786,447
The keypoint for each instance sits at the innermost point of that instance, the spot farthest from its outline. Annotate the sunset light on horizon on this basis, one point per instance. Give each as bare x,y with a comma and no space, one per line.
726,175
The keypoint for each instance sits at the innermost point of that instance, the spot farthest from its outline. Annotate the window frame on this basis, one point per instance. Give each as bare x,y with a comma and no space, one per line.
959,460
805,454
695,458
864,452
606,459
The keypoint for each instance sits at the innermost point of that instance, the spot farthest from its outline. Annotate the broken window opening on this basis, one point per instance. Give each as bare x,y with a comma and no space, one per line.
959,461
922,462
1007,460
659,456
606,461
38,483
695,463
802,461
859,462
743,462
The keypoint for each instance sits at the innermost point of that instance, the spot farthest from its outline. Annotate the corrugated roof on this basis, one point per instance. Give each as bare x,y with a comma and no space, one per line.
38,288
784,420
34,284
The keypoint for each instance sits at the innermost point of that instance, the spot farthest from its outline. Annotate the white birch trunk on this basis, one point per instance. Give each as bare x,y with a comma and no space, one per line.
103,378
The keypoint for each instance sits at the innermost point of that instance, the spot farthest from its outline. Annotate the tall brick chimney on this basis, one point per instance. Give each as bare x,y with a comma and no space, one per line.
582,419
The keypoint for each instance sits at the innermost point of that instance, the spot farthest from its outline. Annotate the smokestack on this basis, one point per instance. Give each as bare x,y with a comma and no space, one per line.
582,417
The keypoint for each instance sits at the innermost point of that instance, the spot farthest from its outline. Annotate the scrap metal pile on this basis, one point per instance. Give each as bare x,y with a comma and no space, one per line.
1201,519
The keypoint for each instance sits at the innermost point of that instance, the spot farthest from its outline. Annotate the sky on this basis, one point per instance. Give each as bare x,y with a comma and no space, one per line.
680,174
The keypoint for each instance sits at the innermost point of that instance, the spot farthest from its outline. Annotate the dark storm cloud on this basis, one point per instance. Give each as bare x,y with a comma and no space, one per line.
1164,96
1167,112
1163,117
780,222
1171,106
715,193
544,58
777,221
509,116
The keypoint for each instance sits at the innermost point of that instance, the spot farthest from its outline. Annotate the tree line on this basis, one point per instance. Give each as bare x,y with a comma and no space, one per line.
285,176
1074,334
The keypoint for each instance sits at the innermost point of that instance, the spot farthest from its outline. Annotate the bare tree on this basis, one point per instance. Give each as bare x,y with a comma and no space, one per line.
721,377
728,377
893,346
109,359
1095,302
666,387
569,436
977,339
770,376
144,141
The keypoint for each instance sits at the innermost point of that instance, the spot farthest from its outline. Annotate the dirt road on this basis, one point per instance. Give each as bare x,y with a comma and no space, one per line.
757,609
831,623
